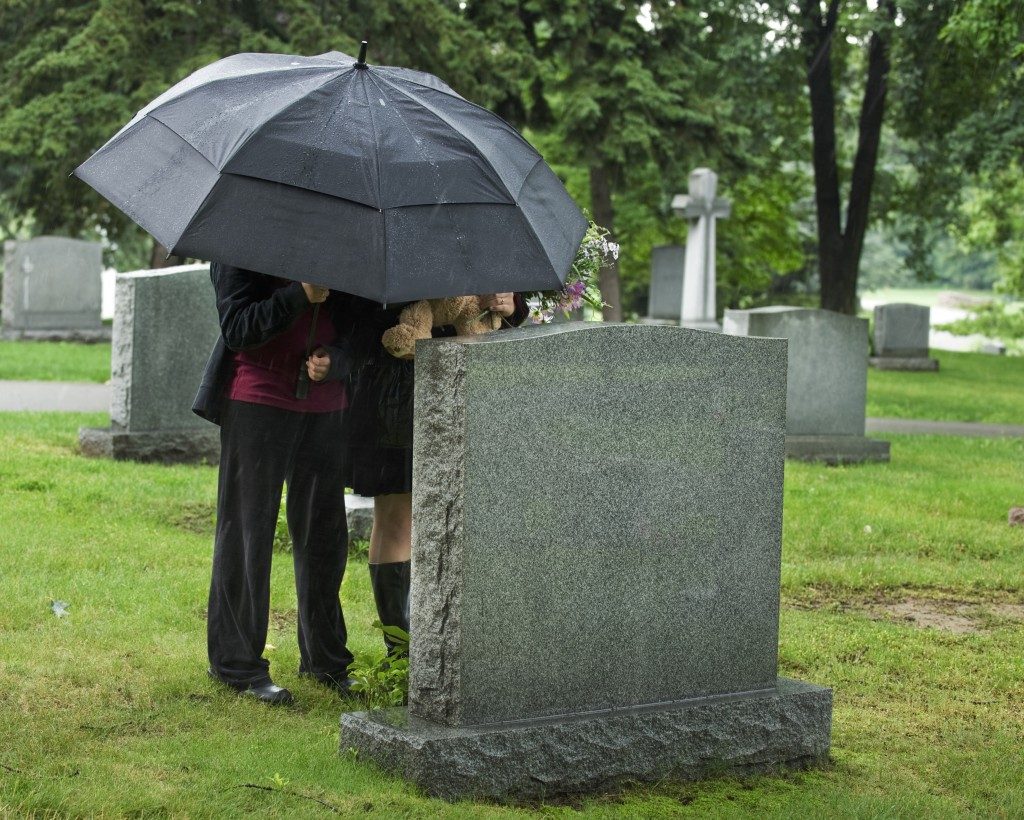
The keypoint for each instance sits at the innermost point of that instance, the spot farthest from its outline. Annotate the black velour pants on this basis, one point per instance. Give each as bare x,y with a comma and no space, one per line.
261,448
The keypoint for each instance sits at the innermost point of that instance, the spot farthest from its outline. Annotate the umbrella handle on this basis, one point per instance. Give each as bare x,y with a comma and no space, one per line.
302,387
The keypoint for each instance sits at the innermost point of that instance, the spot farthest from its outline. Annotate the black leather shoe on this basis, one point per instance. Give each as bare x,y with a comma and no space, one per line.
338,684
269,693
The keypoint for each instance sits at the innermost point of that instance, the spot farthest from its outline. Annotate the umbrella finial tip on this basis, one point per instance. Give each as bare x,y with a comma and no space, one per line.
361,62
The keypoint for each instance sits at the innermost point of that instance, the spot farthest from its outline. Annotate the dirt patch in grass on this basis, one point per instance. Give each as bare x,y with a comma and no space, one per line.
946,613
194,516
283,620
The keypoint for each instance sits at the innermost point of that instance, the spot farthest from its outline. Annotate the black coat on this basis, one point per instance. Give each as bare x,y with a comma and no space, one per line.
253,309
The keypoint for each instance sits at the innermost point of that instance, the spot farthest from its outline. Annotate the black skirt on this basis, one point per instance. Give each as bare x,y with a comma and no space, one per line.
379,428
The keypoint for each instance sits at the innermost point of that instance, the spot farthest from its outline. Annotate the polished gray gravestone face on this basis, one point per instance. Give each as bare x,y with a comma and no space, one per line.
165,325
665,299
901,330
598,513
51,284
828,365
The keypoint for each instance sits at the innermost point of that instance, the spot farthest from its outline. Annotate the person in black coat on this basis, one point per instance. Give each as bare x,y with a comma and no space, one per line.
270,436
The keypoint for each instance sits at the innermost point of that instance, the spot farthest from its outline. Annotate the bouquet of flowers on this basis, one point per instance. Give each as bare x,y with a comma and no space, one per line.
581,285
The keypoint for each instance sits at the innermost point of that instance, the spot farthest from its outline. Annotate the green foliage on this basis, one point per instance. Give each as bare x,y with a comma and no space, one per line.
640,93
994,320
383,681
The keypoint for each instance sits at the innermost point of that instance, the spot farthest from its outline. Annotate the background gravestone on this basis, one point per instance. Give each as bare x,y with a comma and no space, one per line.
603,614
665,299
165,325
826,393
52,289
901,337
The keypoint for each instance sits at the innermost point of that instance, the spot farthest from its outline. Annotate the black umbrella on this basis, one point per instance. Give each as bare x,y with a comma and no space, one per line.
374,180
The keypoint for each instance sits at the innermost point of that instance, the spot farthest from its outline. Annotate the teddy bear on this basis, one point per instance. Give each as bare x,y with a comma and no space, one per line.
416,320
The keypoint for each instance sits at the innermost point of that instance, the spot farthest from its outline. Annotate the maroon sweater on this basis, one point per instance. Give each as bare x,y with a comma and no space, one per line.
268,374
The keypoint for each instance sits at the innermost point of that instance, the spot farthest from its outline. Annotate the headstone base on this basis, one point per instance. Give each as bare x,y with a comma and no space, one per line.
836,449
903,363
101,334
789,726
165,447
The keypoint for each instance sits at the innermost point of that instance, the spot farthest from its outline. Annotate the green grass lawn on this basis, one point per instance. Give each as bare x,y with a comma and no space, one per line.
54,361
967,387
108,711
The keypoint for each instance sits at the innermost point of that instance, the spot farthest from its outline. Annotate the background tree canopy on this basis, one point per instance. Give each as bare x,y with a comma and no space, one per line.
823,118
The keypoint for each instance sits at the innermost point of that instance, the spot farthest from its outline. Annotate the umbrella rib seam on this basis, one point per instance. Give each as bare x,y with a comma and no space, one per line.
171,249
256,130
458,96
380,203
480,153
533,232
280,111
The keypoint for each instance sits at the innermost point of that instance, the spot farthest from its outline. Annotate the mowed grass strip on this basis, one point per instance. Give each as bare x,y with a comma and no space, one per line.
967,387
934,517
107,711
54,361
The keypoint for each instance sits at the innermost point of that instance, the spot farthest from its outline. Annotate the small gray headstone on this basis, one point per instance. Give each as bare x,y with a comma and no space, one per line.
165,325
666,295
52,289
901,337
826,391
621,581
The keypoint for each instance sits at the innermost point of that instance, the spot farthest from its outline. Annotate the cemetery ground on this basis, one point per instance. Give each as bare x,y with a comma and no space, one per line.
54,361
902,589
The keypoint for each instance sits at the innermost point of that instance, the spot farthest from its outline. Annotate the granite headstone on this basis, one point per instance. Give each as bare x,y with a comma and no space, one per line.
52,289
665,299
901,337
826,393
165,325
600,612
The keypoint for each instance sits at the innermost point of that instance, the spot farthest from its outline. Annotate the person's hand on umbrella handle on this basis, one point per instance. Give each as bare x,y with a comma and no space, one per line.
318,365
315,293
504,304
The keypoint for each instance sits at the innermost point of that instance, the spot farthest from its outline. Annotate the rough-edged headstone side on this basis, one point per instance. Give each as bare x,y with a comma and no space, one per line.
438,484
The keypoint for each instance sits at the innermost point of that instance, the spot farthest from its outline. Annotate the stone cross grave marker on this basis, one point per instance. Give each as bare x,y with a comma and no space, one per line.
52,289
165,325
826,393
702,209
599,602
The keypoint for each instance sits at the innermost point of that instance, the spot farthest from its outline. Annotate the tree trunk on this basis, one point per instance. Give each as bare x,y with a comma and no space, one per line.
159,258
601,203
839,246
817,38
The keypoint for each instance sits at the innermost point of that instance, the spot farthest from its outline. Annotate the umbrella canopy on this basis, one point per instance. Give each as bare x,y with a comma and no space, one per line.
374,180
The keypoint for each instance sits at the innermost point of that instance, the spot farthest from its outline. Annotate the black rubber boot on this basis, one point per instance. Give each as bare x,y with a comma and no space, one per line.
391,592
